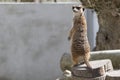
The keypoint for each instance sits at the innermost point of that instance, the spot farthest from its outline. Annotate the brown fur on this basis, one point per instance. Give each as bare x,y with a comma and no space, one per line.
80,48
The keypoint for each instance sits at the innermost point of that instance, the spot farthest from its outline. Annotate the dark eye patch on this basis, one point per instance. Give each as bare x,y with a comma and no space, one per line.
78,8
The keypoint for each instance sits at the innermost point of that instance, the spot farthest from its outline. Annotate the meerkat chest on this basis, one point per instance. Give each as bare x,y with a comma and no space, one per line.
80,36
80,42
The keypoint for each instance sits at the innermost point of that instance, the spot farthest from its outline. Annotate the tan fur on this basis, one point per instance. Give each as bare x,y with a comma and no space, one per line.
80,48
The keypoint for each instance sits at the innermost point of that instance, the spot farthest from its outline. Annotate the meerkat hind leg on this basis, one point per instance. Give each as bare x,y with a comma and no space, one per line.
86,60
78,61
82,63
75,61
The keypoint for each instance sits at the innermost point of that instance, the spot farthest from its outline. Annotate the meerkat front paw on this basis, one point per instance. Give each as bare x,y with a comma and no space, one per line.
69,38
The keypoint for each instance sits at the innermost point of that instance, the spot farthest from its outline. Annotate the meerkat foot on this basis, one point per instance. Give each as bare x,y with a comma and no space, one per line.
75,65
82,63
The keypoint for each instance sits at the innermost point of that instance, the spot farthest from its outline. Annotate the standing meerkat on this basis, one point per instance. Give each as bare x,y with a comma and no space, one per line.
80,47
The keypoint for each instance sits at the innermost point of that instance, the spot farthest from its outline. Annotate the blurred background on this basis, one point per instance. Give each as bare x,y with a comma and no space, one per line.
33,38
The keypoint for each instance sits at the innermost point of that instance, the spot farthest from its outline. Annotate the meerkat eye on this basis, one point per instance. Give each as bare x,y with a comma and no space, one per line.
78,8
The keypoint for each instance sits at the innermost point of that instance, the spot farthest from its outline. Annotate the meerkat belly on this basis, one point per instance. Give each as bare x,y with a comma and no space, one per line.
80,43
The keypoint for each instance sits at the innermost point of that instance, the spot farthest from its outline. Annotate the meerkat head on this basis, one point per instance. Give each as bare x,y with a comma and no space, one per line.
78,9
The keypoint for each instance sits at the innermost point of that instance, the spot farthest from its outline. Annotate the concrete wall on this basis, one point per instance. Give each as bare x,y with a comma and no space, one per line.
93,26
32,39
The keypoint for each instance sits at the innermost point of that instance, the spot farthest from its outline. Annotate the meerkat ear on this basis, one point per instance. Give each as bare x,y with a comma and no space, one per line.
83,9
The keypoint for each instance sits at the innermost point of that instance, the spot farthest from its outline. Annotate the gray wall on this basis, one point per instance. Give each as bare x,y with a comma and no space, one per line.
93,26
32,40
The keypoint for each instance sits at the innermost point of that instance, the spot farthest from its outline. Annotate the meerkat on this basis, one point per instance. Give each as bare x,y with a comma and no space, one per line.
80,47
